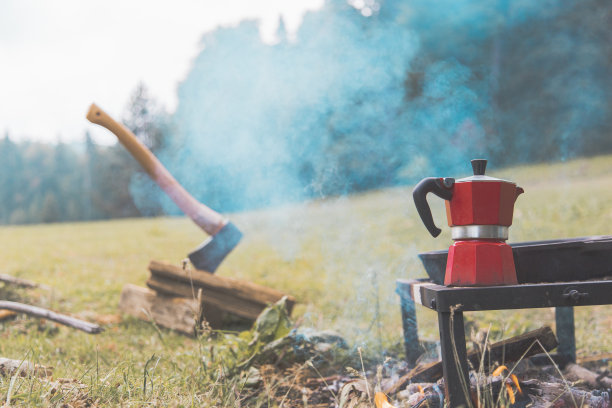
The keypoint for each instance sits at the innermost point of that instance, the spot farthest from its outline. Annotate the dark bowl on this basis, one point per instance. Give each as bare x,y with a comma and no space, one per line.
558,260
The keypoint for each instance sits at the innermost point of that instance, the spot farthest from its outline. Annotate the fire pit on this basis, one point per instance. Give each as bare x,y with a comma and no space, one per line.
482,272
451,302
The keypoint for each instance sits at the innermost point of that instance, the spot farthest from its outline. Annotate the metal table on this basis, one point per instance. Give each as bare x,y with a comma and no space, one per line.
451,302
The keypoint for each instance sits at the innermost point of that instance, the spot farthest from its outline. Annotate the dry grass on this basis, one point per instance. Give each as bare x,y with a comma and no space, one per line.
340,258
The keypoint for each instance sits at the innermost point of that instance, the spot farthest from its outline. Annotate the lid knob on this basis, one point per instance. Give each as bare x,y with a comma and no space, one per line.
479,166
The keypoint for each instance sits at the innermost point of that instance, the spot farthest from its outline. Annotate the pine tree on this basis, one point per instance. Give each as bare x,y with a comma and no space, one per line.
144,117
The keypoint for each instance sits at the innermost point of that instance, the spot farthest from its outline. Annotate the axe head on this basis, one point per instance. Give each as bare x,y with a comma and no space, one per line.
209,255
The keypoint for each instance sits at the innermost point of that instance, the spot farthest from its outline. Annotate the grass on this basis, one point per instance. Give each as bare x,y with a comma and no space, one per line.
339,257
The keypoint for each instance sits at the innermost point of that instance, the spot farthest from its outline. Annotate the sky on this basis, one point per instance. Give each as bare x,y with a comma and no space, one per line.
57,57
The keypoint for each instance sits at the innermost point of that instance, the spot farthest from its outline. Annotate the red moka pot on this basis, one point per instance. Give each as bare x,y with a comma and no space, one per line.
479,211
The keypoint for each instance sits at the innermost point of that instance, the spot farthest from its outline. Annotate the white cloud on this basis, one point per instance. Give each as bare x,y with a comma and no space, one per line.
58,57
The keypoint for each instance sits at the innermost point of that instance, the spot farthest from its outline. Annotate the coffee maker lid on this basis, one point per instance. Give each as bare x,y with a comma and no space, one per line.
483,178
479,166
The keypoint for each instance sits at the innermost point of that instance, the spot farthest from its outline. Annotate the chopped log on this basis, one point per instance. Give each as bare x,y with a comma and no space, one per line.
238,306
23,368
594,358
235,296
69,321
503,352
517,347
574,372
176,313
231,286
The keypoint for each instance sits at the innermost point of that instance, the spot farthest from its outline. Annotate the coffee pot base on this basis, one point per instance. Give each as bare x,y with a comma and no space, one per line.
480,263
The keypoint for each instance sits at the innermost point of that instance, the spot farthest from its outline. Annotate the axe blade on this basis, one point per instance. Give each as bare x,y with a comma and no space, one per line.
211,253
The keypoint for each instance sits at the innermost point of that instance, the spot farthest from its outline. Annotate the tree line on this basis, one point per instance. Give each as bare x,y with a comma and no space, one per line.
50,183
57,182
362,96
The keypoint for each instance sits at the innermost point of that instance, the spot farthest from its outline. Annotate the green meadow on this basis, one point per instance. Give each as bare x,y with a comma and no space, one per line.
339,257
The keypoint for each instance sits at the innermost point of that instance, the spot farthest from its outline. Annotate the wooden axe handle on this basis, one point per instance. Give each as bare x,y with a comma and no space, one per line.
205,217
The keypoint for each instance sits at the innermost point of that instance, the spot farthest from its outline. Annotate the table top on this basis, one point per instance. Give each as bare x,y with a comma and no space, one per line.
524,296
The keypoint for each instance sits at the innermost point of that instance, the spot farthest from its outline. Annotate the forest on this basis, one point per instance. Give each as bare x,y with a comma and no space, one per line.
366,94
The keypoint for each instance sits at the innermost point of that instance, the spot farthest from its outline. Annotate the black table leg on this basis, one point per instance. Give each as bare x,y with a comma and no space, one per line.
411,335
564,319
454,358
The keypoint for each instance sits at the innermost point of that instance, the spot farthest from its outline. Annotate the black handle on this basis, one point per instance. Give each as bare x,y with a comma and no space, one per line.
440,187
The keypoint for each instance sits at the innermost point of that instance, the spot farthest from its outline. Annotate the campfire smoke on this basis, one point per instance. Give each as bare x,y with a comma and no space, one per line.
356,102
363,100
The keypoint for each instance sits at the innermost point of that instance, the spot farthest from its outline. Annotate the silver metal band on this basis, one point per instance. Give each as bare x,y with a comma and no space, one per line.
479,232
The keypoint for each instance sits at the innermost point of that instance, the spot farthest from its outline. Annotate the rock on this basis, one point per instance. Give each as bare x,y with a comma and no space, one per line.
354,394
251,378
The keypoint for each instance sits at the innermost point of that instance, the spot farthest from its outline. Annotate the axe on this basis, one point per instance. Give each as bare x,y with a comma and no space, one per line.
224,235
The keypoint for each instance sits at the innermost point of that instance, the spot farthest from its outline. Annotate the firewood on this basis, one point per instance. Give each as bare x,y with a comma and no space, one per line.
574,372
239,297
504,351
594,358
223,302
182,314
23,368
69,321
560,394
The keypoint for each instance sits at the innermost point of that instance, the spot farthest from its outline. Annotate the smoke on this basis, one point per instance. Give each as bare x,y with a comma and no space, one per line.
362,100
373,94
258,124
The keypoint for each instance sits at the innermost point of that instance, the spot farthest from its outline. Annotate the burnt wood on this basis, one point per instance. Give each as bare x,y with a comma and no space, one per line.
594,357
501,352
563,296
559,394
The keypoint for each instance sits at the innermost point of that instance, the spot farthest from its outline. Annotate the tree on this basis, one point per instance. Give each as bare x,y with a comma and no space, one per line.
90,166
10,164
50,211
148,121
144,117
